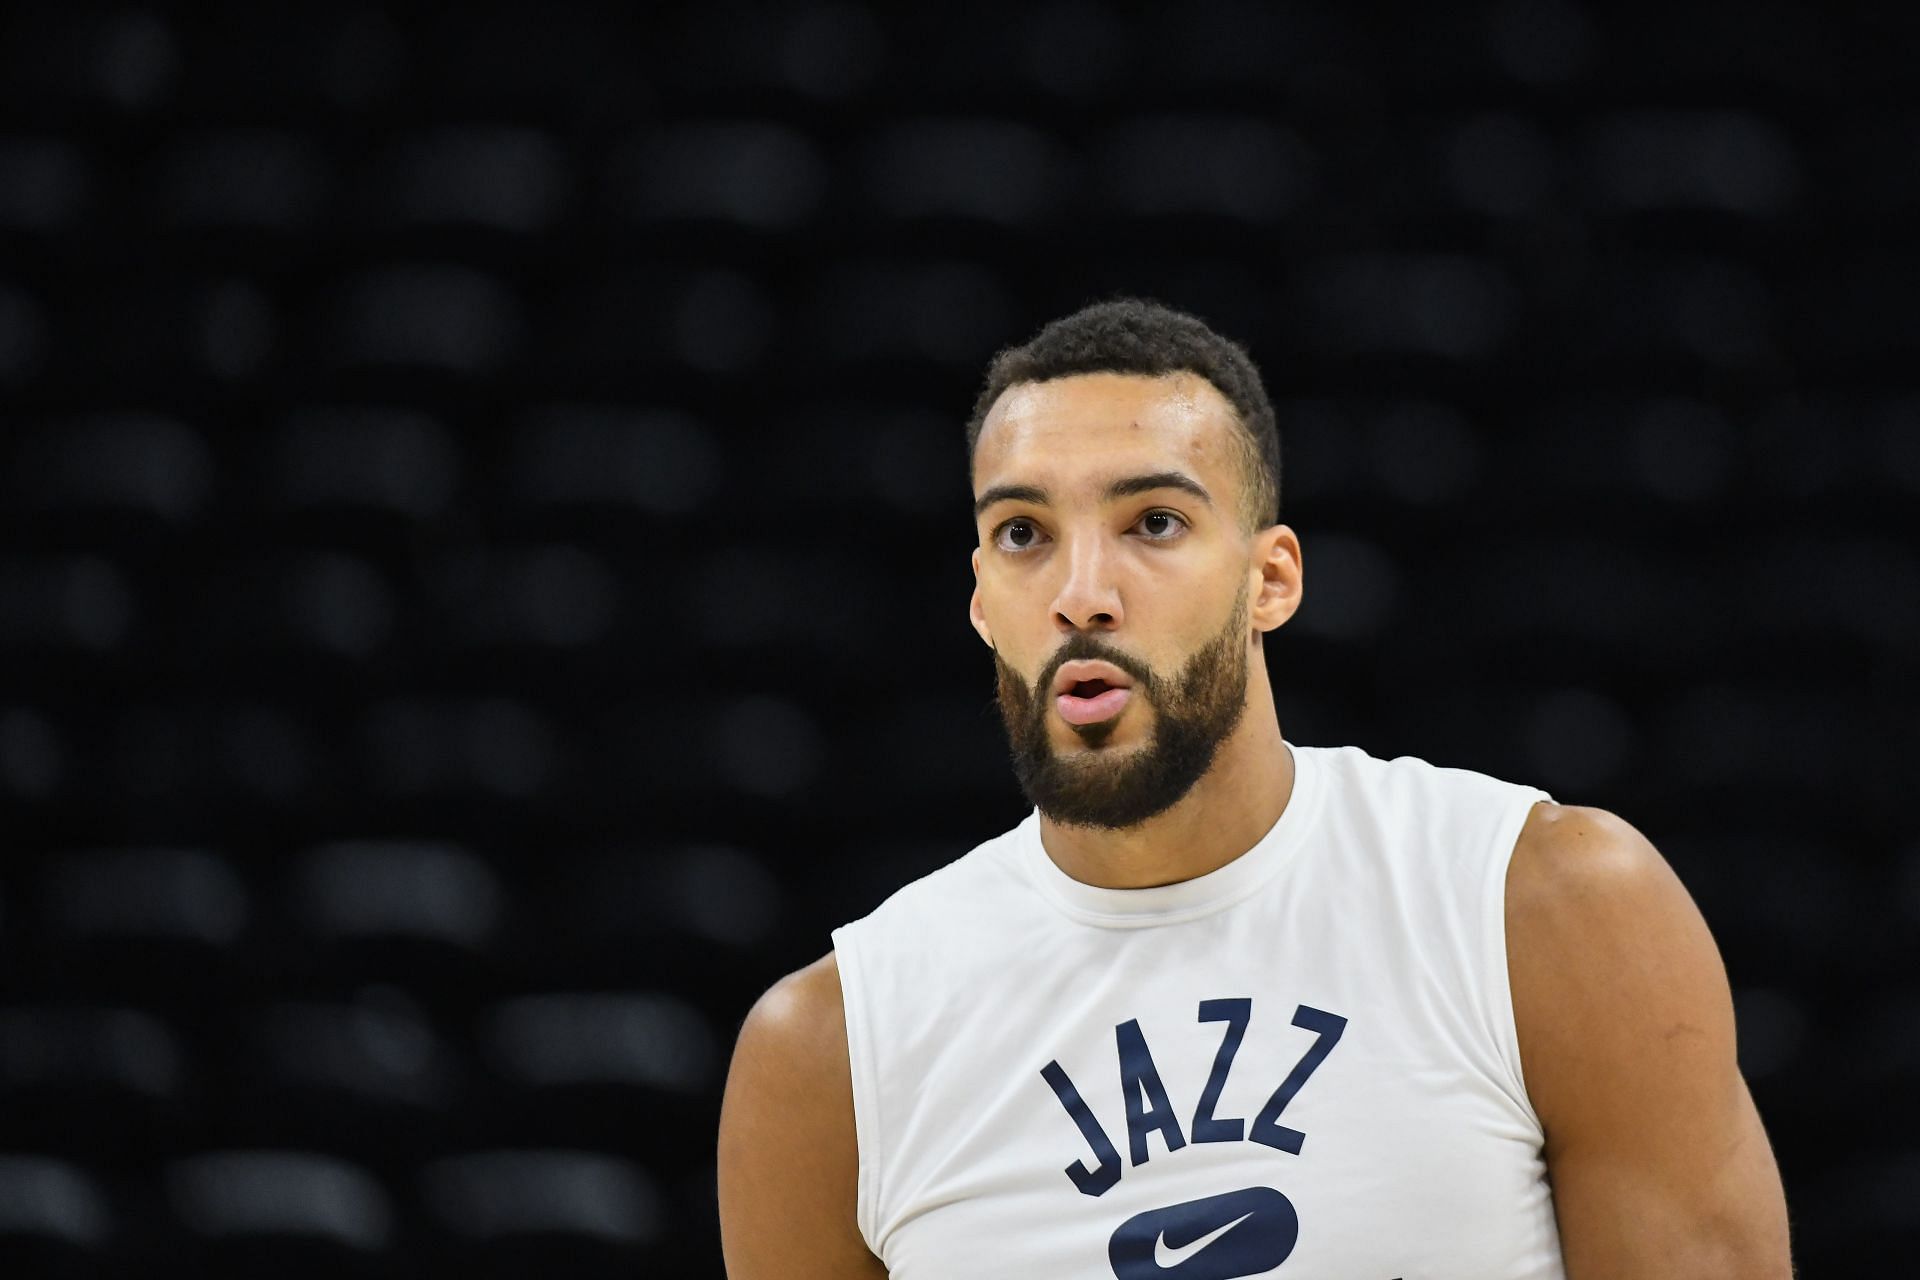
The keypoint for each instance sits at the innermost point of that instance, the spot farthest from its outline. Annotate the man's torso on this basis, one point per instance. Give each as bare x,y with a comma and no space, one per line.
1302,1064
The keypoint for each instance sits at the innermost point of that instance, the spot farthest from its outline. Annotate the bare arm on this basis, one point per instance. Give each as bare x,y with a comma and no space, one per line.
788,1159
1657,1158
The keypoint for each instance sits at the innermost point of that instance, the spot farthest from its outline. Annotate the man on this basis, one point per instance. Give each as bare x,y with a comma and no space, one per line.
1225,1005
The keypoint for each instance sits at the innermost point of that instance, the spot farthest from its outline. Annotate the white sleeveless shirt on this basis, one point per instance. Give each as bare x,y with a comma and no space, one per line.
1302,1064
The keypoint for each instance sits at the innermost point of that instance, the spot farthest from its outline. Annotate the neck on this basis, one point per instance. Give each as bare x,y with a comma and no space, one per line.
1227,812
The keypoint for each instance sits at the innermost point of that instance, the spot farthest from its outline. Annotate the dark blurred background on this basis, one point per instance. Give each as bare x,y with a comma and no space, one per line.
485,526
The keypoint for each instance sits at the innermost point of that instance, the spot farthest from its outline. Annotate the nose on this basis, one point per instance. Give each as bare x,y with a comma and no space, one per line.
1089,596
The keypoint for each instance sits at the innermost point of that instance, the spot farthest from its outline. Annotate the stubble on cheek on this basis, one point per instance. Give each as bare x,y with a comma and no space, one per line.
1010,690
1018,710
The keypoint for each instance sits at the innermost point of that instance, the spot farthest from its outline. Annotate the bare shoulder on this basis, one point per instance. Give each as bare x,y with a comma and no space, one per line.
1657,1157
1584,887
1601,937
801,1020
788,1158
1570,849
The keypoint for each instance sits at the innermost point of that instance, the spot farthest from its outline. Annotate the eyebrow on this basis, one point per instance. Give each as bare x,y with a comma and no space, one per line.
1124,487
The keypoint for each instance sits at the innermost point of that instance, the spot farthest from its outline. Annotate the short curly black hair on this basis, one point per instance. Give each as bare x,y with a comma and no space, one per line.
1139,335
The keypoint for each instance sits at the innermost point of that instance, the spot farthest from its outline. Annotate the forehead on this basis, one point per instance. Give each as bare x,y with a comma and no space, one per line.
1095,423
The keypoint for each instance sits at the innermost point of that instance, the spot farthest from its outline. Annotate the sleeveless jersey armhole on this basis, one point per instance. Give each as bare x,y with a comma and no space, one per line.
866,1083
1494,897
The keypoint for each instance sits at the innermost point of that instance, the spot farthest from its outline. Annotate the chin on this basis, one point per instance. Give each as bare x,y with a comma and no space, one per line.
1114,742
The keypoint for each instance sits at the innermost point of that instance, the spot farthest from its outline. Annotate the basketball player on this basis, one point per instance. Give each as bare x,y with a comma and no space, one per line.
1226,1005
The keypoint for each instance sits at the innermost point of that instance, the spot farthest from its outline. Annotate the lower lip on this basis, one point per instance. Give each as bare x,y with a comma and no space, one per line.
1102,706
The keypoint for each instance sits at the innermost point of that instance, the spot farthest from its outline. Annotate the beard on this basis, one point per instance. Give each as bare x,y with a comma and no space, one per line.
1194,712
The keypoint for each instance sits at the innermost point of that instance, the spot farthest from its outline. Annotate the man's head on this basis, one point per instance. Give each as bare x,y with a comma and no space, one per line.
1116,489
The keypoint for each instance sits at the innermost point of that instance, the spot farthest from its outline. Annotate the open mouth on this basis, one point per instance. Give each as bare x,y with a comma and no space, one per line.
1088,678
1085,702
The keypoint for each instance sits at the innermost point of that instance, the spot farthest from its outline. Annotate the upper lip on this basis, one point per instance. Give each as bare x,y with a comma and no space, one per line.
1072,673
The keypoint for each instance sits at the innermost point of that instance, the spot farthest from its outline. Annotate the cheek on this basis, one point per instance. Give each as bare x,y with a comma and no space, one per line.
1198,629
1018,627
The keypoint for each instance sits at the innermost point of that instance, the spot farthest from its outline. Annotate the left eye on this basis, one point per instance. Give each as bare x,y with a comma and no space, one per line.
1172,524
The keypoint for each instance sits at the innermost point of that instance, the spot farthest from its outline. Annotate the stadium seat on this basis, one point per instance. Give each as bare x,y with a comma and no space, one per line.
451,321
101,1084
607,458
506,181
142,923
55,1220
373,1075
756,175
427,900
287,1212
259,181
503,1210
44,183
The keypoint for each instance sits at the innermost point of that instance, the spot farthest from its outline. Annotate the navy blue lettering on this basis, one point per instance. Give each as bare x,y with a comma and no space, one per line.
1098,1180
1139,1079
1266,1126
1236,1014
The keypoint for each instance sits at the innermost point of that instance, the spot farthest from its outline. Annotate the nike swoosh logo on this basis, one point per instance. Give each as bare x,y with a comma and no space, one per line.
1168,1258
1247,1232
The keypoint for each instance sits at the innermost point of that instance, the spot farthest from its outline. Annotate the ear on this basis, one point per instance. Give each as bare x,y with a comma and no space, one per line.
1281,577
974,613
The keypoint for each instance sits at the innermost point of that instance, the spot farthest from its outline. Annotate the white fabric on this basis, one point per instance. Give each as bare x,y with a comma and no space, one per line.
1377,899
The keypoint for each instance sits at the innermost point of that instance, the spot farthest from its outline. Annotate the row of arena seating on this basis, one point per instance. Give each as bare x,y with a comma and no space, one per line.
396,464
1746,738
763,175
307,1213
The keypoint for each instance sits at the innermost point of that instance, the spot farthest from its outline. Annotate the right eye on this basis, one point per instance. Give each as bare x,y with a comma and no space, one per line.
1016,535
